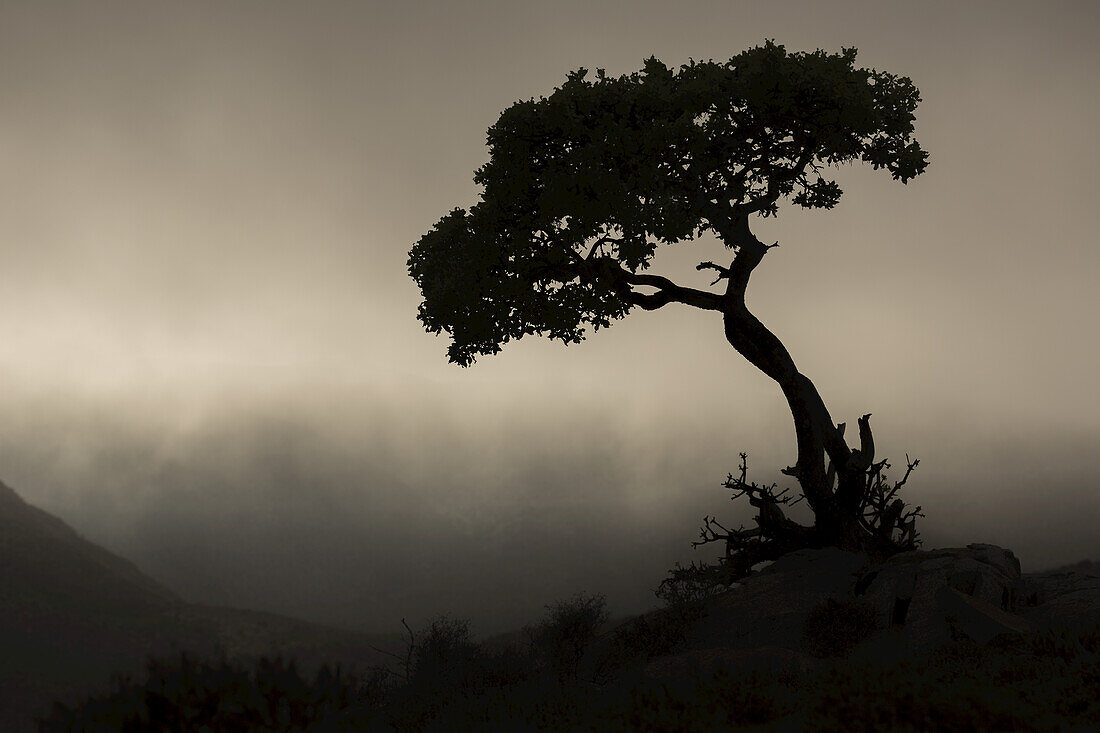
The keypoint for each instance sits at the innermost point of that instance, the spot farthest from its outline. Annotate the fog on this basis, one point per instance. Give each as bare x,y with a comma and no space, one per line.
359,511
210,361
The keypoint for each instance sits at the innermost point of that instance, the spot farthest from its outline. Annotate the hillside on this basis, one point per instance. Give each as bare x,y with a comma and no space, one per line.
72,614
1084,567
951,639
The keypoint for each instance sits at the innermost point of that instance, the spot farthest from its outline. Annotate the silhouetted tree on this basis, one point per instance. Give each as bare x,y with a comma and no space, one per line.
582,186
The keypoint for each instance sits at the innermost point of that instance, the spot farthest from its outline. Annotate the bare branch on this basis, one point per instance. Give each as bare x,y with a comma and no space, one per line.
882,514
723,272
409,649
667,291
908,470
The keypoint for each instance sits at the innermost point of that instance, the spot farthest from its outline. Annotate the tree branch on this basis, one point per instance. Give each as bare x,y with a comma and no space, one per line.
723,272
624,281
597,246
865,456
777,177
881,513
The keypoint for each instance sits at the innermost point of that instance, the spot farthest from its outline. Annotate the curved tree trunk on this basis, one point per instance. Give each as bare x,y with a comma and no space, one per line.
836,512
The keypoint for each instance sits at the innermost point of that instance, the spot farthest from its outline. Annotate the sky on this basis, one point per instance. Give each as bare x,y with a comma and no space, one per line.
210,360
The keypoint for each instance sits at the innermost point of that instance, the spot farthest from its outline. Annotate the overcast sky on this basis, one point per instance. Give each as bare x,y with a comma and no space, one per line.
210,361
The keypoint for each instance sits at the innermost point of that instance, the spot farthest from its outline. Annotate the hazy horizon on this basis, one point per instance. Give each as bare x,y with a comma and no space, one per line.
209,351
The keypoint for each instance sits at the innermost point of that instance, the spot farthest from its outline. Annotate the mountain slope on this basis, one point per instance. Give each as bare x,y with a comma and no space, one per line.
46,566
73,614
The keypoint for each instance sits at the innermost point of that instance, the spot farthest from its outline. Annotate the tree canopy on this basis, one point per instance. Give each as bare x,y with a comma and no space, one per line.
582,185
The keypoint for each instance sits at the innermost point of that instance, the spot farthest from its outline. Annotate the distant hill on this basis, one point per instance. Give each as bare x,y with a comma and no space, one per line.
47,566
72,614
1084,567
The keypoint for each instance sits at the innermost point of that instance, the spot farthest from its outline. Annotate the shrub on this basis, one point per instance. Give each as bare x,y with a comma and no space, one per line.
642,638
187,693
692,585
568,632
443,653
1042,681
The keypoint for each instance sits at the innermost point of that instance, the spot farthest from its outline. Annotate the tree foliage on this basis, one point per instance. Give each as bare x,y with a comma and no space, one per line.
582,185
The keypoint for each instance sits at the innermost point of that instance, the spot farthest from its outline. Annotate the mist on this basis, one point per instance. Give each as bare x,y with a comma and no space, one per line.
209,353
360,511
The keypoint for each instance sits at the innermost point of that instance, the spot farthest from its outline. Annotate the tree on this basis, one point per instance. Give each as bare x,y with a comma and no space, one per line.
583,185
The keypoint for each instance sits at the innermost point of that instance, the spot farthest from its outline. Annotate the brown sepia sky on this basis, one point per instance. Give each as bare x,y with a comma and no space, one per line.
210,361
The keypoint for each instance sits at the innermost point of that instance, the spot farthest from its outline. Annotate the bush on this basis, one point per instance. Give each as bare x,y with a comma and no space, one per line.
1043,681
568,632
692,585
653,635
835,627
444,653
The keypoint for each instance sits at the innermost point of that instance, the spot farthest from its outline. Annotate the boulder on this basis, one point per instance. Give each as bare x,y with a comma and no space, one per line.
928,594
976,618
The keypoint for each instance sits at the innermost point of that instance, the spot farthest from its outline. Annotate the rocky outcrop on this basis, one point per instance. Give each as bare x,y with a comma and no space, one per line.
975,618
930,596
922,599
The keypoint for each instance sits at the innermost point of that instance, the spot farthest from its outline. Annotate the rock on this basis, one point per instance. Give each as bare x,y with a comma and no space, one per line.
977,619
910,590
769,609
922,599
